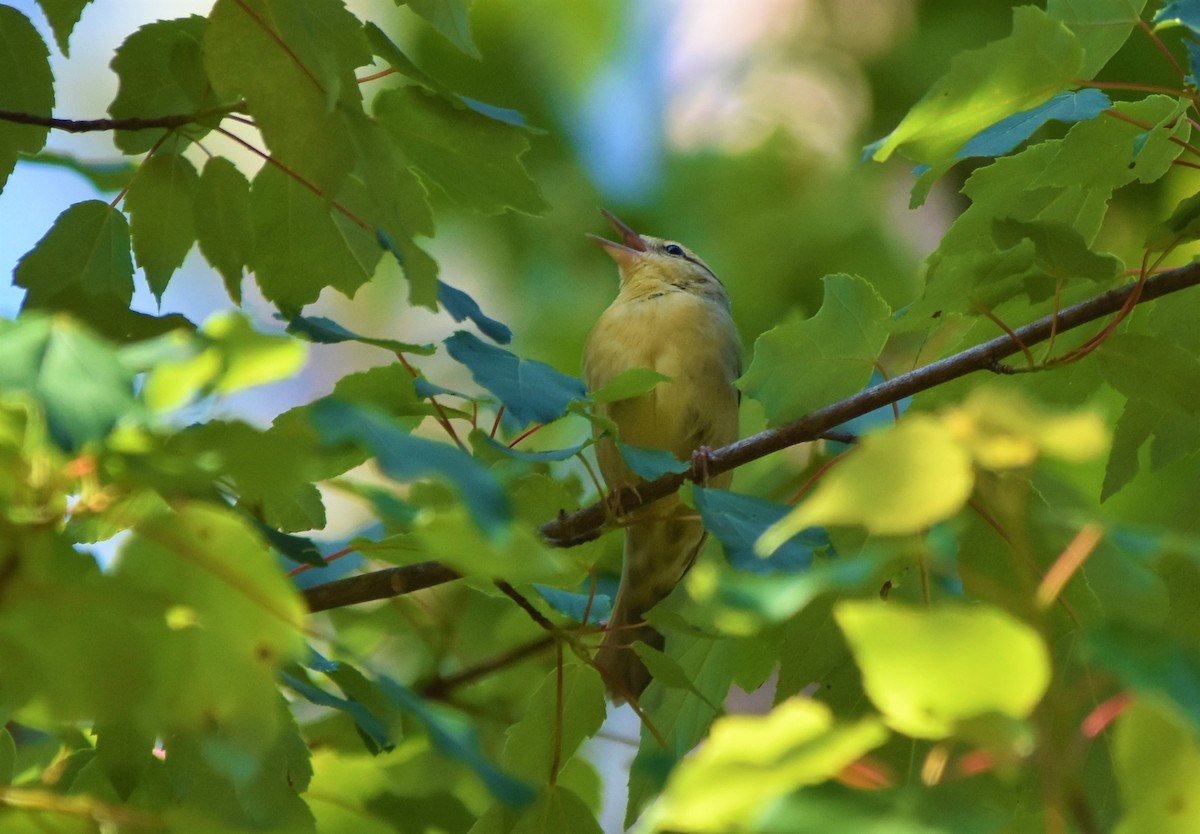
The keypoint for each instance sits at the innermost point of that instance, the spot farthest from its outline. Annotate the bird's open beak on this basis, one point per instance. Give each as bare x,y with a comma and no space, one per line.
631,245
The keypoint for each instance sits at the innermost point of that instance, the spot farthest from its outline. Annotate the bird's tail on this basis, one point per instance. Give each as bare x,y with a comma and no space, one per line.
625,676
657,555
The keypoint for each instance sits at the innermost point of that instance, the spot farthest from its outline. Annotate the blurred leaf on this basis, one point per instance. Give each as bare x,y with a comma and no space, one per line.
749,761
403,458
597,606
450,18
838,345
328,332
476,160
1182,226
28,86
104,176
1007,134
738,521
559,809
1003,431
86,252
81,385
224,228
986,85
928,671
161,205
161,73
461,307
1150,665
531,391
896,482
1179,13
629,383
1100,26
1157,762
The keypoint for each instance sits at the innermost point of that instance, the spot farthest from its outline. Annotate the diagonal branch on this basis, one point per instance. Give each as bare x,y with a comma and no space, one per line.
589,522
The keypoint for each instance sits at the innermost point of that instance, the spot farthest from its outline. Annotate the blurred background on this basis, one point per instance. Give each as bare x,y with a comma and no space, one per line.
735,128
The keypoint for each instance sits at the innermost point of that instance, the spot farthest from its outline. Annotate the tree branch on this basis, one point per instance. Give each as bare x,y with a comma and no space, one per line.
589,522
95,125
379,584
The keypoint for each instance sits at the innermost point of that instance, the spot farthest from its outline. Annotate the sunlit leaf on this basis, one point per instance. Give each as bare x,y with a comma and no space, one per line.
895,482
224,228
929,670
1100,26
748,761
1157,763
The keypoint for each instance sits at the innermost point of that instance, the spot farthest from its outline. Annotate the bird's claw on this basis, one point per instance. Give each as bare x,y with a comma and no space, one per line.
701,458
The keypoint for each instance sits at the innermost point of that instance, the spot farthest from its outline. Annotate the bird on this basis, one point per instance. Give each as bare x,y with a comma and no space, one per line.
671,315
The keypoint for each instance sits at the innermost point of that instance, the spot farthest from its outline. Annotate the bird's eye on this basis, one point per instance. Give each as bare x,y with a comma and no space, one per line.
674,249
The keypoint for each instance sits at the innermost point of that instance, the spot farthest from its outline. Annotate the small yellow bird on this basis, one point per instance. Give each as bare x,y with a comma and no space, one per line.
671,315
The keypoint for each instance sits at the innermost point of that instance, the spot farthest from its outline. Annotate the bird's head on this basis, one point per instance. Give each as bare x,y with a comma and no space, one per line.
651,264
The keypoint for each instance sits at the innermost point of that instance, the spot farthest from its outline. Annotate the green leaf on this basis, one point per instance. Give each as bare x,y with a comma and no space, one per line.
63,15
403,458
86,252
461,307
1060,252
748,761
83,388
1182,226
161,73
103,176
474,159
294,65
838,346
558,810
450,18
224,228
384,191
597,606
1007,134
681,716
649,464
161,205
631,382
529,751
1150,665
28,87
929,670
1152,369
983,86
531,391
1157,763
1100,26
328,332
896,482
310,248
738,521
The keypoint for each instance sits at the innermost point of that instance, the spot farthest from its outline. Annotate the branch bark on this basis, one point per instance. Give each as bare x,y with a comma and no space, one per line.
96,125
588,523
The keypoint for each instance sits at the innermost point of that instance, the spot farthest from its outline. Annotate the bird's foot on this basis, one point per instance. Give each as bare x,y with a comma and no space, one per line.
701,458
